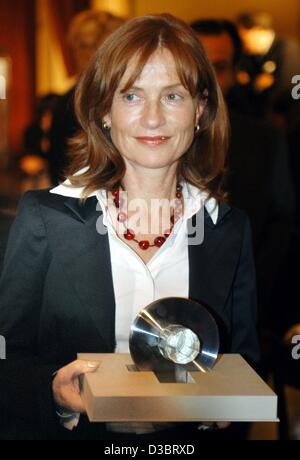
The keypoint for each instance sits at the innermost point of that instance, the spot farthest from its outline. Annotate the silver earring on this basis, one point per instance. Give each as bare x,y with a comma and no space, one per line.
197,128
106,126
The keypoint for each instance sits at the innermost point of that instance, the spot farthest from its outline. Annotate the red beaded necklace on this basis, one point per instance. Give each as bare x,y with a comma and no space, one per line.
129,235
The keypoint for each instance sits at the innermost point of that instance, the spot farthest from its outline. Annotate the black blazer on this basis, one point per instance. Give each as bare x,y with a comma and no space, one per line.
57,299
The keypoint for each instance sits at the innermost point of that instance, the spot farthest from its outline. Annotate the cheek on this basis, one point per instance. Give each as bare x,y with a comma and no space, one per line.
184,134
184,123
123,119
124,126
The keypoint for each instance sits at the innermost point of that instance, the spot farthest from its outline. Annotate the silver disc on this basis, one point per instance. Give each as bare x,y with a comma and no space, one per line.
174,332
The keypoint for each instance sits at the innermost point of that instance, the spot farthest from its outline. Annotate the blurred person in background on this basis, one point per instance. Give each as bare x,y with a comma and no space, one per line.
36,162
224,47
267,65
87,31
36,136
259,179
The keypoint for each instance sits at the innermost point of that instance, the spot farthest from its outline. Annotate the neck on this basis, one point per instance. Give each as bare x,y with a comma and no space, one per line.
148,185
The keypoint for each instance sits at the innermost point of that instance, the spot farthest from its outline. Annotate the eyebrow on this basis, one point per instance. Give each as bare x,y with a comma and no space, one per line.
173,86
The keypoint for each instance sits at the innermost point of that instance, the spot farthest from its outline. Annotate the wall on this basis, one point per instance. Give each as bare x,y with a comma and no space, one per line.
17,42
123,8
51,71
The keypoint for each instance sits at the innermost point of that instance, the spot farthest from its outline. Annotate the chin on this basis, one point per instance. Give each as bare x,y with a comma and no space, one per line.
155,163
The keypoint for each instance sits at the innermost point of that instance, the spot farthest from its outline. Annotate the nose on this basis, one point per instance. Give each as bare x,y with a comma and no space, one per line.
153,115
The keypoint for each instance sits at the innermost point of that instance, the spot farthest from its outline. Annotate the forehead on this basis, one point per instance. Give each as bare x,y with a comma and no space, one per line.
160,66
218,47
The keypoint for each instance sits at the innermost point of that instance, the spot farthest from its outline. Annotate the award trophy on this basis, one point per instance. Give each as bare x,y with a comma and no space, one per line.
174,373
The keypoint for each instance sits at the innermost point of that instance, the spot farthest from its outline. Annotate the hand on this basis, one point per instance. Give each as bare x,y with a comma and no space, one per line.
66,387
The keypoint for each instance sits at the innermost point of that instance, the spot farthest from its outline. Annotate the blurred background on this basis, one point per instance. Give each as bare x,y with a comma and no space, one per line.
254,48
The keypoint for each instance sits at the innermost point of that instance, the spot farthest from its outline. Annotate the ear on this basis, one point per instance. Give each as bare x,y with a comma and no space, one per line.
201,105
107,119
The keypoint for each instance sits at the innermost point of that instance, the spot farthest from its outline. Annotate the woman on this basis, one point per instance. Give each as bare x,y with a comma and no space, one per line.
153,125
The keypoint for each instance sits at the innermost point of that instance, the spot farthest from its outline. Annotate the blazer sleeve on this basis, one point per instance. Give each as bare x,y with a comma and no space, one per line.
244,313
26,405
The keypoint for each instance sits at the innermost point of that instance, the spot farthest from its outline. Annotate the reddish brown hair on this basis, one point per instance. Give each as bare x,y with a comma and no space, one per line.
203,164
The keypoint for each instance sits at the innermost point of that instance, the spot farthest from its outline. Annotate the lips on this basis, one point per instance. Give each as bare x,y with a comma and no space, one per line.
153,140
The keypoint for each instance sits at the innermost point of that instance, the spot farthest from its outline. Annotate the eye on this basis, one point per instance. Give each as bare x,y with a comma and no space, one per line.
174,97
131,97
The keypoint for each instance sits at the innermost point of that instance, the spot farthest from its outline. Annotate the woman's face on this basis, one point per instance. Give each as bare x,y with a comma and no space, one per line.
153,122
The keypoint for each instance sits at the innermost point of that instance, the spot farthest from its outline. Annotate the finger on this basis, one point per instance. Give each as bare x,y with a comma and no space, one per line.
86,367
71,401
77,368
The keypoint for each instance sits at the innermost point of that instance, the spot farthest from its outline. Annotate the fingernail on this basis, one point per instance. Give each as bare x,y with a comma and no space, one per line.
92,365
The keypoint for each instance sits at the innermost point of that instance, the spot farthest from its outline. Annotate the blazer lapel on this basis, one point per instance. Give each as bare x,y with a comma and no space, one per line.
86,259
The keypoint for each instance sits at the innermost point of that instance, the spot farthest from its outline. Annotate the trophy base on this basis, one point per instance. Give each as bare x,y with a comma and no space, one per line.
231,392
